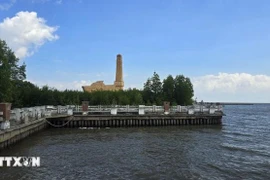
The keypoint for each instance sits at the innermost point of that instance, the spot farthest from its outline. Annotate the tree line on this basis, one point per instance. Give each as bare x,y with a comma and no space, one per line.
21,93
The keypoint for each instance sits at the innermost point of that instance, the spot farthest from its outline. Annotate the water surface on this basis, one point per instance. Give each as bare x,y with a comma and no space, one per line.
237,149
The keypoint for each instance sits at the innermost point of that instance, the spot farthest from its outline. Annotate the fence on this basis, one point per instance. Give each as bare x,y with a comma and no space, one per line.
24,115
149,109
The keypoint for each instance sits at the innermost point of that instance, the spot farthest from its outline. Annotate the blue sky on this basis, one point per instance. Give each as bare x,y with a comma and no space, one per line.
222,45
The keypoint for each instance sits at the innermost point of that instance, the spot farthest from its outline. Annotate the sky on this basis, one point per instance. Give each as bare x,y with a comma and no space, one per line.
221,45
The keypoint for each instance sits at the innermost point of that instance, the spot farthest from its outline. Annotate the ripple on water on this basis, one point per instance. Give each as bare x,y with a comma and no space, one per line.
239,149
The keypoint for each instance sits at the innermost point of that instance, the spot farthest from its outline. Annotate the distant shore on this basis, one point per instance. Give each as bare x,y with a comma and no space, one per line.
238,103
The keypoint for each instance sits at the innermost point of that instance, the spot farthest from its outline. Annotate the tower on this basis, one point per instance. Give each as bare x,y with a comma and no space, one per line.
119,83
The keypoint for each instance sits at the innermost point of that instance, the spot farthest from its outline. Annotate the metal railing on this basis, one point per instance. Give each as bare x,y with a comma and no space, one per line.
24,115
150,109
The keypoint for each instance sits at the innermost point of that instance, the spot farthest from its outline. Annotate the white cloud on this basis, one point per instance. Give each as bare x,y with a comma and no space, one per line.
6,5
233,87
26,32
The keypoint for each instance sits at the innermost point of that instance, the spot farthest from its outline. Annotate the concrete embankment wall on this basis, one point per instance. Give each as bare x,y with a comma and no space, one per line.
133,121
12,135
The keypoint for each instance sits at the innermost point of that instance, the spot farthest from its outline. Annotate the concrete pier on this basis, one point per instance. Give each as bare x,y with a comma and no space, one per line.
17,124
123,120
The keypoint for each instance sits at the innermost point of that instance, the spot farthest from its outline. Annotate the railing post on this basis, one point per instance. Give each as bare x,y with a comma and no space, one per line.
166,107
58,109
41,111
25,115
179,108
154,108
201,108
5,114
127,107
70,111
114,110
191,111
141,109
212,110
85,107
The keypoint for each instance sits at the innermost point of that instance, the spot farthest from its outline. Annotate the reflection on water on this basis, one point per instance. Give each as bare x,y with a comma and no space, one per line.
239,149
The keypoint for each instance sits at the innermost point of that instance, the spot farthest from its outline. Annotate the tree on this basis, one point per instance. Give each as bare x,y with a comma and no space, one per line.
156,85
183,90
168,89
136,97
157,89
10,72
25,94
153,90
147,91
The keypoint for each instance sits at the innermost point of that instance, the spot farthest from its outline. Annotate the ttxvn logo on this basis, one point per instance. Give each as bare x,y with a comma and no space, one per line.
20,161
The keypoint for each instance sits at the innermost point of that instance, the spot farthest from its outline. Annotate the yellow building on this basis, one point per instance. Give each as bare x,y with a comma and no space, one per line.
118,83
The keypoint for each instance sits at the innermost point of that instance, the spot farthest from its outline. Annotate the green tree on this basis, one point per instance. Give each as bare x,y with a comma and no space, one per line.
137,98
183,90
168,89
156,85
153,90
124,100
10,71
148,95
25,94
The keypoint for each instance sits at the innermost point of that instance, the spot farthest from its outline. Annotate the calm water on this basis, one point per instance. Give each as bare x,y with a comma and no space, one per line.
239,149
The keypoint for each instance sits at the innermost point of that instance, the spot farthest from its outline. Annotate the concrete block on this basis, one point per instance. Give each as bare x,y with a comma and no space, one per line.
17,115
5,125
212,110
191,111
59,109
127,107
70,112
114,111
179,108
25,117
154,108
141,109
48,113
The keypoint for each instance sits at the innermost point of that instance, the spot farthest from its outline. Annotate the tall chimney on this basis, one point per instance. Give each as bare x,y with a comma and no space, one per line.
119,72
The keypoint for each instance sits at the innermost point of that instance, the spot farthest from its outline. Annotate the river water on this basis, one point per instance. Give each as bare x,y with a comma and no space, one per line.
237,149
